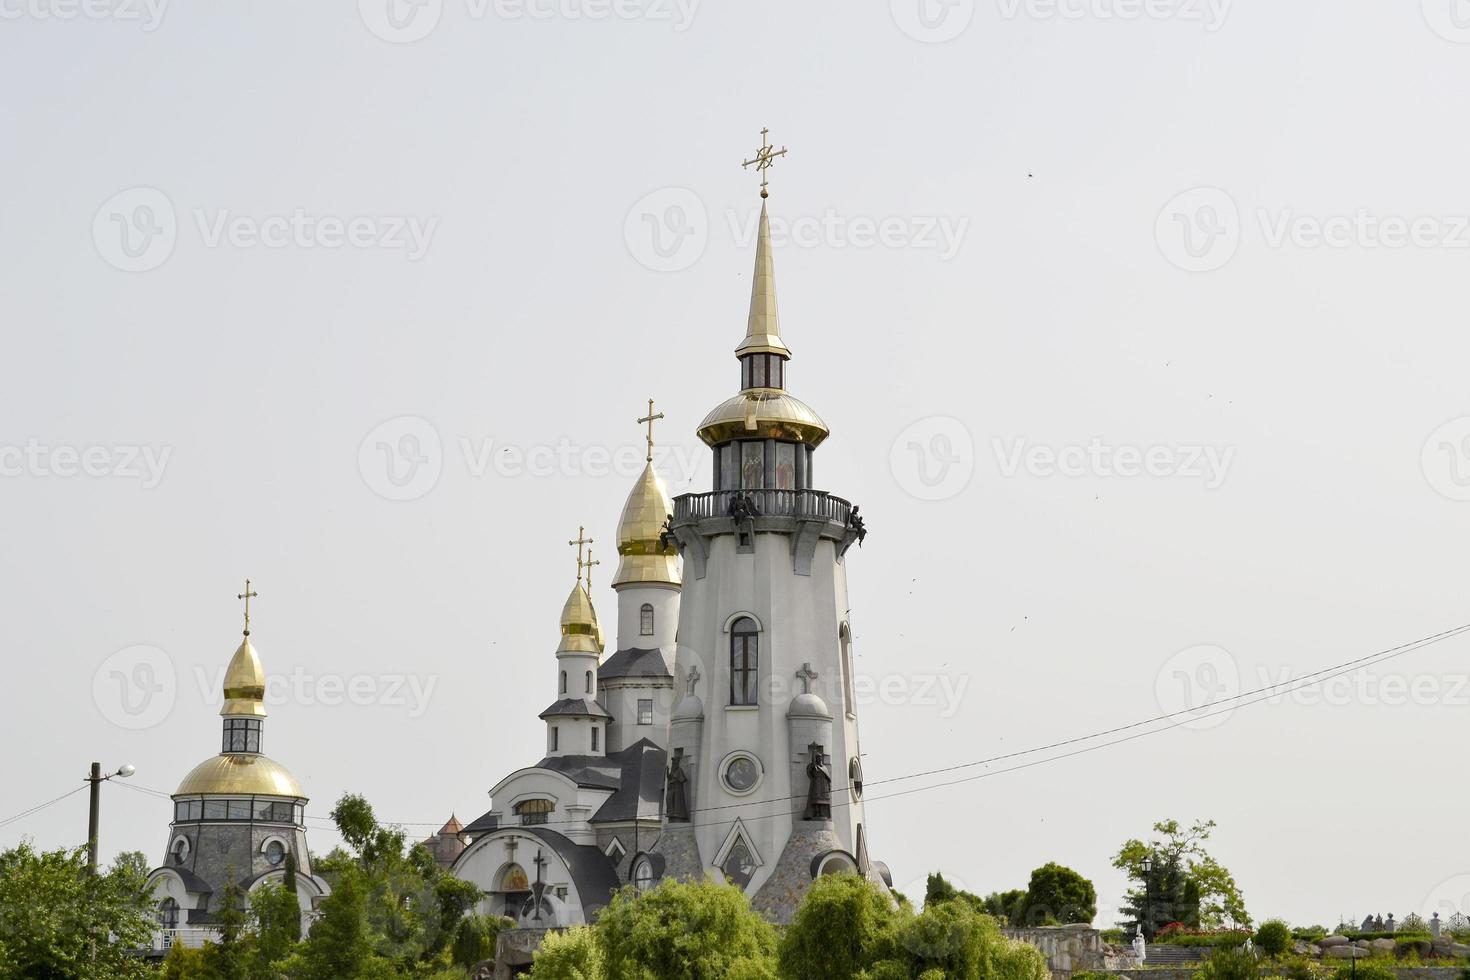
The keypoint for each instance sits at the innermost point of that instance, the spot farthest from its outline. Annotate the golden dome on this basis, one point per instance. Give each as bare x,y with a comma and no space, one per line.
763,413
642,560
244,683
580,632
240,773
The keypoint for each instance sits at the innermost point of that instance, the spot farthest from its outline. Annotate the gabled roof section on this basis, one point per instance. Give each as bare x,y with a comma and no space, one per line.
634,662
640,790
581,707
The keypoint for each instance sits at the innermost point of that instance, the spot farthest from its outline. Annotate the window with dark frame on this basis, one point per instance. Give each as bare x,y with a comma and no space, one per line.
589,682
645,711
554,739
594,738
645,619
744,661
241,735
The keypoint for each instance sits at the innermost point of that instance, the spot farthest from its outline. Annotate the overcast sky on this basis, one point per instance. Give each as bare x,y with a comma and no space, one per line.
1140,329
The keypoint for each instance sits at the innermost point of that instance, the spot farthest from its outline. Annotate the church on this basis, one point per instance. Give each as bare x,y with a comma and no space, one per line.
239,816
720,735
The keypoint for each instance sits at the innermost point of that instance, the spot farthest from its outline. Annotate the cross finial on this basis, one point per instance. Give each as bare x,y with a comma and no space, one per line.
764,157
807,675
580,541
693,678
650,418
588,565
247,595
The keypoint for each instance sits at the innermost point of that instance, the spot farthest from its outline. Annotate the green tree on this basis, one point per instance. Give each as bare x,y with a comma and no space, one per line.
277,914
843,926
961,943
1057,894
59,920
228,957
1273,938
574,954
341,942
682,931
1008,907
1183,884
474,938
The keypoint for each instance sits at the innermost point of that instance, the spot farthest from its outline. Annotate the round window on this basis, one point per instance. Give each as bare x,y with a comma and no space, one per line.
742,773
275,852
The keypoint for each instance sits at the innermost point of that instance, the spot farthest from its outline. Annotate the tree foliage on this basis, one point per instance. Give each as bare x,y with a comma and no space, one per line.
843,925
681,931
1056,894
571,955
1184,884
60,920
1273,937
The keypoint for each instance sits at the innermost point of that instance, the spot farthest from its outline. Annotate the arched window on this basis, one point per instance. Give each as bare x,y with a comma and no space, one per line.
168,914
181,851
534,811
563,682
643,875
744,661
845,637
645,620
589,682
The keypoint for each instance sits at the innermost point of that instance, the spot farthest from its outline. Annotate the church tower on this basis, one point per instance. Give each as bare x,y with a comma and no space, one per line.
576,722
238,816
637,680
764,747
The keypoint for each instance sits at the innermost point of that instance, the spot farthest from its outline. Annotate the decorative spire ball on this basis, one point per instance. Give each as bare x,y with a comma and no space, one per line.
764,157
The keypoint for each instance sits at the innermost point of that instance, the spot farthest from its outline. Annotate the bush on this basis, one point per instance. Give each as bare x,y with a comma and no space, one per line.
843,924
570,955
1273,937
1365,971
1229,964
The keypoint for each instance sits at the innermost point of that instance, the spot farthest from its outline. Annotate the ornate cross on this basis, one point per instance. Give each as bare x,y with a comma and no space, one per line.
764,157
247,595
693,678
650,418
581,540
807,675
588,565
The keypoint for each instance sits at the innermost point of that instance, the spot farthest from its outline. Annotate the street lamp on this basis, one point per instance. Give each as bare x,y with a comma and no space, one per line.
97,779
1146,918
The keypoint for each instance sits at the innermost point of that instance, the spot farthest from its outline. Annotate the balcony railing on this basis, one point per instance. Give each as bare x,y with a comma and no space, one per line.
191,936
815,505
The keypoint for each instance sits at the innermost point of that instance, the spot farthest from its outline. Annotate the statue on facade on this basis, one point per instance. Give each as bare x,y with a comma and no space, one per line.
666,534
819,785
676,800
743,507
856,525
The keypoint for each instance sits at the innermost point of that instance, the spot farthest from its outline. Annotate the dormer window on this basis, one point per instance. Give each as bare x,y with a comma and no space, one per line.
241,735
534,812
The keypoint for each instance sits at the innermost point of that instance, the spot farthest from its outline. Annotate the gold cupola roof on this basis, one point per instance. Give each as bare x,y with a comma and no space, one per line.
580,632
240,773
244,686
763,413
763,327
642,560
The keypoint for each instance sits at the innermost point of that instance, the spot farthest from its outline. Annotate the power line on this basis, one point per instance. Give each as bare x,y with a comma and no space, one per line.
1222,706
41,806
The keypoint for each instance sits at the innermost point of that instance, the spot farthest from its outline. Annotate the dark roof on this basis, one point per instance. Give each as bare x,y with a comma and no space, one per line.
592,870
482,824
594,771
640,788
576,706
634,662
192,882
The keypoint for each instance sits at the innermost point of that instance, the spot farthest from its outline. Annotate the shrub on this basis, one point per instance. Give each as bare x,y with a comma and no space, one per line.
1365,971
843,924
570,955
1229,964
1273,937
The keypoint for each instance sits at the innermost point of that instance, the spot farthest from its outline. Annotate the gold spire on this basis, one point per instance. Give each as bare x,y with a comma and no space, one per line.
643,560
244,686
763,328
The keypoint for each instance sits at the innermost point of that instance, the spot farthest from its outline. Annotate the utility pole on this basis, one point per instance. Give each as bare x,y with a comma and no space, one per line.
96,778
